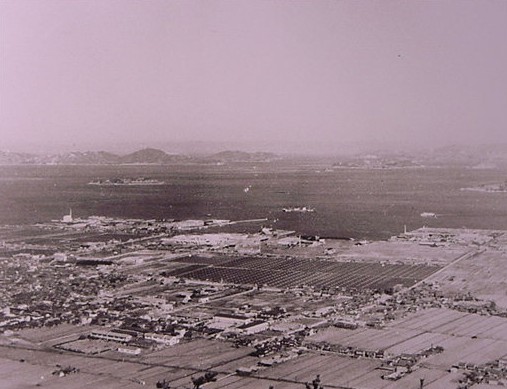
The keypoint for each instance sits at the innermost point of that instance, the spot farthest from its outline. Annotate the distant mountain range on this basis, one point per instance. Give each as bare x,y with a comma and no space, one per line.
144,156
242,156
479,156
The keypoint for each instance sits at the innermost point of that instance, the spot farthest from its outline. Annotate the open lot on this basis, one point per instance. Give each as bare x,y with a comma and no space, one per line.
402,252
483,275
49,336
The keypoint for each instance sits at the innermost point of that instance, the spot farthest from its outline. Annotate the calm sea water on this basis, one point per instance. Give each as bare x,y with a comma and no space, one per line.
348,203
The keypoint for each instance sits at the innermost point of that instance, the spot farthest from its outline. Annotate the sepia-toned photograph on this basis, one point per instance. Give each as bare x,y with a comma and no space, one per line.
253,194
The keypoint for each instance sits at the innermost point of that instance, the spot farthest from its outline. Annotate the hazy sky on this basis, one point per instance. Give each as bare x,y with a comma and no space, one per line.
95,72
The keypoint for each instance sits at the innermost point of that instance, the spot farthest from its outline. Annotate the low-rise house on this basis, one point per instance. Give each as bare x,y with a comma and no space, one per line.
130,351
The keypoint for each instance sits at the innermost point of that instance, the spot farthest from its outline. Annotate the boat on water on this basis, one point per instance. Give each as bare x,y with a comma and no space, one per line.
126,181
298,209
429,214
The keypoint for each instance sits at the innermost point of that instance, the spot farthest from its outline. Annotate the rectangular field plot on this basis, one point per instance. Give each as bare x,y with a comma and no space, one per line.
38,365
198,354
454,323
465,337
291,272
237,382
333,370
368,339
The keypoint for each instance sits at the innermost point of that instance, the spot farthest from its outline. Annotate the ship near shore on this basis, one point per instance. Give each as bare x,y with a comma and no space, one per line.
298,209
126,182
429,214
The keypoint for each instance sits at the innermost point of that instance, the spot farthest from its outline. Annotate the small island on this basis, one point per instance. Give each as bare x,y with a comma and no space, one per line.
126,182
490,188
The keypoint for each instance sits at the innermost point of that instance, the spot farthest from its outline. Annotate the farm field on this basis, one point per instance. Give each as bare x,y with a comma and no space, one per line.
198,354
416,332
292,272
237,382
112,369
465,337
38,365
368,339
334,370
18,375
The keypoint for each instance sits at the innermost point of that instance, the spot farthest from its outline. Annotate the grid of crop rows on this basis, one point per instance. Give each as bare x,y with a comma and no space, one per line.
291,272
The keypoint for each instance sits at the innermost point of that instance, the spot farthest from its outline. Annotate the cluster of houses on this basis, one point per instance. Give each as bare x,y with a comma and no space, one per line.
427,295
492,373
103,224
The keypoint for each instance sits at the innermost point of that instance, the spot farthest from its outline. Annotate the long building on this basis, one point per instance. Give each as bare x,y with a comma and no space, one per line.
111,335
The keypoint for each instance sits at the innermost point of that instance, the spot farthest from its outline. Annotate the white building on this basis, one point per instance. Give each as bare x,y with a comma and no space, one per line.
224,321
169,340
68,218
111,335
130,351
60,257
